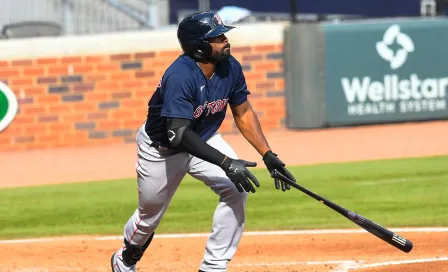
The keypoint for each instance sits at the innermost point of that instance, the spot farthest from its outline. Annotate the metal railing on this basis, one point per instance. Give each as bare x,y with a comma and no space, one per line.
77,17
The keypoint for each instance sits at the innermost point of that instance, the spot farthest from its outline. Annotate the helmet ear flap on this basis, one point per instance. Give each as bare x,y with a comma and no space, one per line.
203,49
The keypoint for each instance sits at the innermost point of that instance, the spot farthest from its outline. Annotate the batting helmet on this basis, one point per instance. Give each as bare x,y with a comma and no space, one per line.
195,29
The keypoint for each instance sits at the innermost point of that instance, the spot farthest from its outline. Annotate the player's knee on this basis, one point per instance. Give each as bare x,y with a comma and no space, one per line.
152,200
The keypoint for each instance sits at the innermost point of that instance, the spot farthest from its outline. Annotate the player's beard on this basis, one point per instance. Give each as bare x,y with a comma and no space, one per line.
220,56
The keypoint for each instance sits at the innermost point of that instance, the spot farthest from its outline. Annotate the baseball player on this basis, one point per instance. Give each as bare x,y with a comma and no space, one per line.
180,136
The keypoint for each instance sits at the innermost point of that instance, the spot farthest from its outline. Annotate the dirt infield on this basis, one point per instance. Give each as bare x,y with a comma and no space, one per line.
306,252
262,252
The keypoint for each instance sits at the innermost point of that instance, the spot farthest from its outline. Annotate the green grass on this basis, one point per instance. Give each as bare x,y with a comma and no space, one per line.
393,193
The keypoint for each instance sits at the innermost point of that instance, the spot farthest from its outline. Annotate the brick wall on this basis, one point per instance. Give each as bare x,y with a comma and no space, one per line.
100,99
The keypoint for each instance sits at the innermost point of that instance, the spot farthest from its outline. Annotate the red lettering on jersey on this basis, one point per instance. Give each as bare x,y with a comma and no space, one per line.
213,107
198,112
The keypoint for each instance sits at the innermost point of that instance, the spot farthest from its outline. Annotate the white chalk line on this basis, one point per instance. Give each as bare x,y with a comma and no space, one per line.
347,262
271,264
347,267
204,235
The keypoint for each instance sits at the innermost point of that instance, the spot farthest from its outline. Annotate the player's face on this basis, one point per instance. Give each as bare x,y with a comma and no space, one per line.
220,48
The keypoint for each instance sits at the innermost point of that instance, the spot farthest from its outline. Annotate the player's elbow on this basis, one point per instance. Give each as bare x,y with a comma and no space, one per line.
176,128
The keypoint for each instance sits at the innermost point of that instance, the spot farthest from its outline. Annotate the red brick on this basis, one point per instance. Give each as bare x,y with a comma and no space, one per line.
46,61
134,103
249,58
122,114
33,71
97,115
77,69
108,67
241,49
19,63
145,55
86,106
280,84
13,130
265,85
54,137
139,74
21,81
160,64
59,108
74,117
263,104
276,112
5,141
144,93
254,77
122,76
4,64
48,118
133,123
152,83
265,48
9,72
58,70
47,80
120,57
75,139
265,66
107,124
169,54
133,84
107,86
95,96
95,77
140,113
70,60
94,59
23,119
35,129
60,127
34,110
34,91
49,99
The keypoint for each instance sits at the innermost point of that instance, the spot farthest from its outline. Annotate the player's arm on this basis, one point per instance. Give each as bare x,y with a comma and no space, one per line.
180,135
247,122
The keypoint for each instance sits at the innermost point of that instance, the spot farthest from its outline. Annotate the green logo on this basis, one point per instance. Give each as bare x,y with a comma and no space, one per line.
8,106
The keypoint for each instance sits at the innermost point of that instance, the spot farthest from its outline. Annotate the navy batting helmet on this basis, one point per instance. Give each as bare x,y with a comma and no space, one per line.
195,29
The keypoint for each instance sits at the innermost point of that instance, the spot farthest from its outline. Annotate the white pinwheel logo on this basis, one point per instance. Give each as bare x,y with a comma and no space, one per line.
398,58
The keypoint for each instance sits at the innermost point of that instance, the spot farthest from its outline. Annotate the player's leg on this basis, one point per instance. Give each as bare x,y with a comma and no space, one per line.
229,217
159,175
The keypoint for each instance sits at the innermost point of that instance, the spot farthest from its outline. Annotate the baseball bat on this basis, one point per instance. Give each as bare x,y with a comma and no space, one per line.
370,226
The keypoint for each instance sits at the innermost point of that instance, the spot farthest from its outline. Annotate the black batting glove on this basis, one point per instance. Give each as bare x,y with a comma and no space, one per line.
273,162
238,173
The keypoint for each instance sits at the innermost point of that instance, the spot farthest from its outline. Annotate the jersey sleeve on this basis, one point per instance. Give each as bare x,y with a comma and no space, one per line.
240,92
177,90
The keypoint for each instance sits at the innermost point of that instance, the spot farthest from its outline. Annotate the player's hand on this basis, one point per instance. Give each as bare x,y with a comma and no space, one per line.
238,173
273,162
